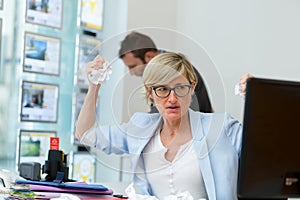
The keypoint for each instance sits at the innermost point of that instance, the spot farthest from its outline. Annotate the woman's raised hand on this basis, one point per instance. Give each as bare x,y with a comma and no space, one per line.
98,70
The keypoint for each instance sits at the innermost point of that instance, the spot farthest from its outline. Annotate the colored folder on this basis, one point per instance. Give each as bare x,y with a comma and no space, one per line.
68,187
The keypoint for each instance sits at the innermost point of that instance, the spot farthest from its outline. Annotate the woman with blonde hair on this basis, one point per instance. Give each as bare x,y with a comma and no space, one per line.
176,150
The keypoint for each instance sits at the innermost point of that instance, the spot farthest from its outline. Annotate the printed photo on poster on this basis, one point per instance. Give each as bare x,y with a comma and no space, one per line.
91,16
39,102
88,50
33,146
84,167
41,54
45,12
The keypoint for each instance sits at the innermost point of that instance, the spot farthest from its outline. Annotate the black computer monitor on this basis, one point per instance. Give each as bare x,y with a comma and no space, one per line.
270,156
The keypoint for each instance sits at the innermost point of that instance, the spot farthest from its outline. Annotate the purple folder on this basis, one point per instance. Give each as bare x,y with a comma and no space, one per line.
68,190
71,187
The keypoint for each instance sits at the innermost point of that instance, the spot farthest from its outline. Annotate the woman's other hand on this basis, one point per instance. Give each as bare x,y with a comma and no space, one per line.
243,82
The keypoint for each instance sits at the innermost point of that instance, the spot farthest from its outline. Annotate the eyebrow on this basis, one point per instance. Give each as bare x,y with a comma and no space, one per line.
178,84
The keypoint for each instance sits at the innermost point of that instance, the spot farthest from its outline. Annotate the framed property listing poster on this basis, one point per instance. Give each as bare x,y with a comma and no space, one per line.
39,102
88,50
91,15
41,54
45,12
33,146
84,167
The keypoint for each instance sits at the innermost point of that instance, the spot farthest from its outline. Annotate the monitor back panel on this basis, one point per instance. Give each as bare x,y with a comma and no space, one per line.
271,139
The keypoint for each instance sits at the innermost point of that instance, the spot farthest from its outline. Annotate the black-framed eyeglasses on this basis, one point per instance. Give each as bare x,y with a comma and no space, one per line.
179,90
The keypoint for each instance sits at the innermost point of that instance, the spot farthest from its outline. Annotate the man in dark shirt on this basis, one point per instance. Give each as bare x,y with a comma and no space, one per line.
138,49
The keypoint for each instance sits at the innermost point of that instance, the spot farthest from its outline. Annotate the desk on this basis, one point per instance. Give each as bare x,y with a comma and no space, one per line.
117,187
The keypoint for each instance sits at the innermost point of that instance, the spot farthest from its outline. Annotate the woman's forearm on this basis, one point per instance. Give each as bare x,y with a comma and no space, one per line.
86,117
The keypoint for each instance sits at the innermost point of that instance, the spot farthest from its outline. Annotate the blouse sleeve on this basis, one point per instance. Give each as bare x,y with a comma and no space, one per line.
233,130
109,139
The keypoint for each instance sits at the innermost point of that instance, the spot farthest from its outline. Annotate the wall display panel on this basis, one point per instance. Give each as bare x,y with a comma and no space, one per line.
91,15
39,102
33,146
84,167
41,54
45,12
88,50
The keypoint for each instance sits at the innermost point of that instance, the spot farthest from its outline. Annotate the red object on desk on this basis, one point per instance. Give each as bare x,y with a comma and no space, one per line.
114,198
54,143
118,197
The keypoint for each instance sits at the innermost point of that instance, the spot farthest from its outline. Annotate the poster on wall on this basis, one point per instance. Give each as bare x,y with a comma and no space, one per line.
88,50
91,15
45,12
41,54
39,102
84,167
33,146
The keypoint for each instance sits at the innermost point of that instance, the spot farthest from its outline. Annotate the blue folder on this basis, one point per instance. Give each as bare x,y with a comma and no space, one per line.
83,186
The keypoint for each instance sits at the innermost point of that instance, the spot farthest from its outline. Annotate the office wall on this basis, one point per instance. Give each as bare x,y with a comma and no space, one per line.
261,37
144,13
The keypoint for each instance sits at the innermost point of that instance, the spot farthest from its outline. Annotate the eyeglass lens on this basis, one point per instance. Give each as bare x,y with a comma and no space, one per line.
180,90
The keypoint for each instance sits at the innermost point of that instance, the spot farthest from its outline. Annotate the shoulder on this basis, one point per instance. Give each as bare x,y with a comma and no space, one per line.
223,118
205,116
209,119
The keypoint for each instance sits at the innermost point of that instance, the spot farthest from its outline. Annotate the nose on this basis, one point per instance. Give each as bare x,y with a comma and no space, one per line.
172,97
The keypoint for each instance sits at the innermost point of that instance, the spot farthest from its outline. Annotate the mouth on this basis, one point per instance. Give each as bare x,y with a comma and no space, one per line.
172,107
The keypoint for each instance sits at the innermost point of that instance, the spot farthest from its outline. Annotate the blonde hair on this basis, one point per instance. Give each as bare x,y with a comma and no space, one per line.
165,67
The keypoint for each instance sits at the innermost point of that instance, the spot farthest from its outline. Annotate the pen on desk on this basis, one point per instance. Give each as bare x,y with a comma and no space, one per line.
120,196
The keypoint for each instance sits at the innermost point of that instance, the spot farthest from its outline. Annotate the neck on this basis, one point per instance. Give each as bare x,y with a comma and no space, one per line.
173,127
